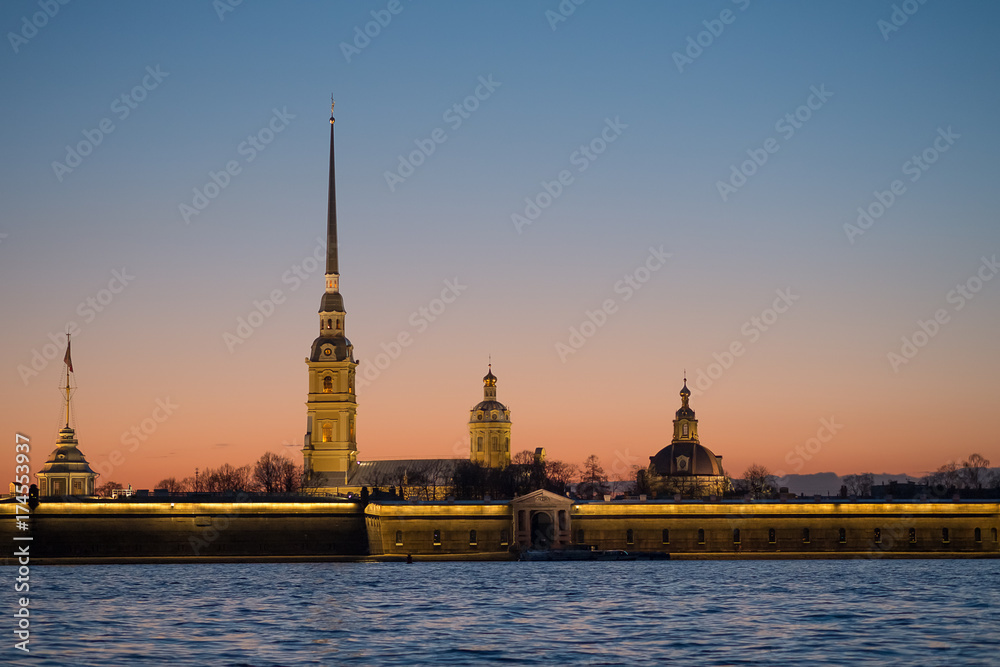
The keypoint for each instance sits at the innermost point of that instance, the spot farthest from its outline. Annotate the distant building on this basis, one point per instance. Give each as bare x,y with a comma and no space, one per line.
685,466
489,427
66,471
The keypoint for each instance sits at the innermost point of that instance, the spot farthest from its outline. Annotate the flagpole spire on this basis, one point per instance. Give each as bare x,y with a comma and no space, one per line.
69,369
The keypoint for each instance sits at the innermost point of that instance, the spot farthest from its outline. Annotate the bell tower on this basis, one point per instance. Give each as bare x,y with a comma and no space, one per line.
489,427
330,449
685,424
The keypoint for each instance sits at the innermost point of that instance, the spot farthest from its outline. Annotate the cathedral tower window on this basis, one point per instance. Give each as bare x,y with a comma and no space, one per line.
327,385
327,432
479,444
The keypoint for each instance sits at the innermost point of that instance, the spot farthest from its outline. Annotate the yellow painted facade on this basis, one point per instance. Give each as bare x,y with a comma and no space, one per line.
489,428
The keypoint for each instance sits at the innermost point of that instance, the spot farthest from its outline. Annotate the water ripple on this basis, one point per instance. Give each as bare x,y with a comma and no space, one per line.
617,613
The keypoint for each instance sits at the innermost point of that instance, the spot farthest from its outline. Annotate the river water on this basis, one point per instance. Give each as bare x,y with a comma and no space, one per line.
932,612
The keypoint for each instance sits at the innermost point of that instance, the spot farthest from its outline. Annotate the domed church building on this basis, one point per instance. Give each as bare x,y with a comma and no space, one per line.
686,466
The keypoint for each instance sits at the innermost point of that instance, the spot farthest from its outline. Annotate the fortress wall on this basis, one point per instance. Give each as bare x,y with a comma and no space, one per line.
868,527
121,529
453,522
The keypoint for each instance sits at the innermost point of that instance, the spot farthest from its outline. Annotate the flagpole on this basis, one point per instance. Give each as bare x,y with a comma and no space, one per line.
69,369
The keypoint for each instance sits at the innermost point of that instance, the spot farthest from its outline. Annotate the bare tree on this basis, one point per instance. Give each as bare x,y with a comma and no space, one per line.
974,471
104,490
227,478
171,484
758,480
268,472
593,478
860,485
523,458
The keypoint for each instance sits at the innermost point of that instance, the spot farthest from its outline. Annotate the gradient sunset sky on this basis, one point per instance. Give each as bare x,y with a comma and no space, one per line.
739,138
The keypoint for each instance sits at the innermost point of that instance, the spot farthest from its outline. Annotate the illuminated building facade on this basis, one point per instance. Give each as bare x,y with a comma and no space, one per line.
685,466
489,427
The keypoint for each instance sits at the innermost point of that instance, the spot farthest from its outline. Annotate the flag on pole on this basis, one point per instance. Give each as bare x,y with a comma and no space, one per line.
67,359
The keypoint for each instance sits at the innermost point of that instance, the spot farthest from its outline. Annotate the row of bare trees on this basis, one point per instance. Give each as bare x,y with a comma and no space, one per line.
272,473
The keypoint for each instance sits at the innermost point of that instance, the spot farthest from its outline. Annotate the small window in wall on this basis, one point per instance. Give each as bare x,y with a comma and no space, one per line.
805,536
479,444
842,534
399,538
666,536
701,536
504,538
913,535
496,444
994,531
579,536
472,539
437,538
629,537
944,536
878,536
979,536
736,535
771,536
328,385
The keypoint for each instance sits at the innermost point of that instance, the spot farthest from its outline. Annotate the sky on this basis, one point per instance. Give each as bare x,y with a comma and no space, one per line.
795,204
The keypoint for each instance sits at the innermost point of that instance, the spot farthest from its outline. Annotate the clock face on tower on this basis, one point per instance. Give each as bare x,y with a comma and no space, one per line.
327,351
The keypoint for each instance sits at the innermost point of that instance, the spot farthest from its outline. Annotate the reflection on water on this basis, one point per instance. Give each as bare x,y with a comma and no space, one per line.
752,612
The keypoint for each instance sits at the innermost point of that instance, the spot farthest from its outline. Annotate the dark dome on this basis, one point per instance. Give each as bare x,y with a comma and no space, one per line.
66,458
332,302
489,405
686,458
341,349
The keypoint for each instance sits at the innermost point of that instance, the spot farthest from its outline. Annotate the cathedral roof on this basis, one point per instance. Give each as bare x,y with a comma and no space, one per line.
332,302
487,406
686,458
65,459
